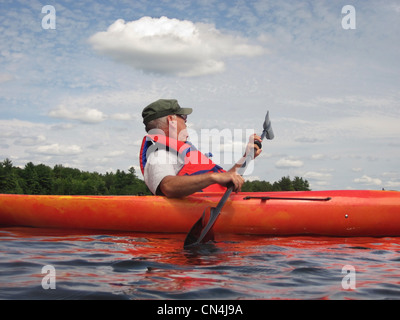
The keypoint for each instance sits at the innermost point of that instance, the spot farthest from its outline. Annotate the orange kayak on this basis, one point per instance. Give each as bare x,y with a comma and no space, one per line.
329,213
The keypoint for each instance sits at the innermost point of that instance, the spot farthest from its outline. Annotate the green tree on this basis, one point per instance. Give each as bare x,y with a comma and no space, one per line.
299,184
31,178
42,179
285,184
9,182
45,178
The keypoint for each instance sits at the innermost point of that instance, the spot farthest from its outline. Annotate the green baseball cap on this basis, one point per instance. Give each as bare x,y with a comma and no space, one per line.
162,108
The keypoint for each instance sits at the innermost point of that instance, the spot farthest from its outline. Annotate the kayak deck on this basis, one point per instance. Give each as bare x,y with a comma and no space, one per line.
329,213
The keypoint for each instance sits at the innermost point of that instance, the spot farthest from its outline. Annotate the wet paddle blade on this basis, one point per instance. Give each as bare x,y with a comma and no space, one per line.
197,234
267,132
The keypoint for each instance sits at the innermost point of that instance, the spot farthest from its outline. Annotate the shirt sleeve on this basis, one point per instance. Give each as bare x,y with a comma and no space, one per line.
160,164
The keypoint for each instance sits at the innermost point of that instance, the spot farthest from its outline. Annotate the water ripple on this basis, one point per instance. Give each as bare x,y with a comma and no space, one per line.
91,265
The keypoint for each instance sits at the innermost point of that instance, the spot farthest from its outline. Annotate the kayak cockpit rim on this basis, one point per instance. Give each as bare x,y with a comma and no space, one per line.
265,198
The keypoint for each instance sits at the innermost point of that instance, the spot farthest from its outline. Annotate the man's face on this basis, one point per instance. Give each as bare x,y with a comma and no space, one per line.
177,127
182,128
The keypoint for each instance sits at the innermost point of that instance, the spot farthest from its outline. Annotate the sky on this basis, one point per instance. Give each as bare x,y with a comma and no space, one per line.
76,75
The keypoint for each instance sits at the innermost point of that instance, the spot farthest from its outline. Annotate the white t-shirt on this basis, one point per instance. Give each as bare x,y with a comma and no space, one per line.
160,163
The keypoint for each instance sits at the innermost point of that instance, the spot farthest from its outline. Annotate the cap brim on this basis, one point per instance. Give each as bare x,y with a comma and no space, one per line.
184,111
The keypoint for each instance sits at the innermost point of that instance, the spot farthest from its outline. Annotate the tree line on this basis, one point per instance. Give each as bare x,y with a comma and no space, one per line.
42,179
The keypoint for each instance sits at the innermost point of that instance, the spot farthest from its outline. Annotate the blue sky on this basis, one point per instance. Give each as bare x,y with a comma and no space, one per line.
74,95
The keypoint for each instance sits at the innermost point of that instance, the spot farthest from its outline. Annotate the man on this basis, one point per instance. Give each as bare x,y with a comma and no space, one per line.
173,167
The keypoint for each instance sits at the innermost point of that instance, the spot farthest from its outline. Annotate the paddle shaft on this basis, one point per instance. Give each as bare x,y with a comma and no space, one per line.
217,210
195,236
214,214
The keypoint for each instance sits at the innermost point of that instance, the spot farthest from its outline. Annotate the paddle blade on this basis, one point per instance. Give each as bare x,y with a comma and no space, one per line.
196,234
268,132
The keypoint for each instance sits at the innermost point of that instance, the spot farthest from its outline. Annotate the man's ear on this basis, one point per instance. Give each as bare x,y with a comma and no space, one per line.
171,120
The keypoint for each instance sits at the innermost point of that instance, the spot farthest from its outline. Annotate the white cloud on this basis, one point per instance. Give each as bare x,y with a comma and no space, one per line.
171,46
318,156
56,149
122,116
87,115
366,180
392,184
307,139
116,153
5,77
286,163
30,140
317,176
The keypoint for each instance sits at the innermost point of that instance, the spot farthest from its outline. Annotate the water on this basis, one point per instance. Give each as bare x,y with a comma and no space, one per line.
107,265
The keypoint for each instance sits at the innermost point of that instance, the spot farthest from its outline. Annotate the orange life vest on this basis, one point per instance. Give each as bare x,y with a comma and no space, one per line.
194,162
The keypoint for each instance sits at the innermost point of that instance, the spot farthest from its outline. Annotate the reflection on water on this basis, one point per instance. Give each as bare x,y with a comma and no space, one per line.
93,265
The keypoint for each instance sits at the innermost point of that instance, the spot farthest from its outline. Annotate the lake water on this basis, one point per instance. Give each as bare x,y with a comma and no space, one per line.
109,265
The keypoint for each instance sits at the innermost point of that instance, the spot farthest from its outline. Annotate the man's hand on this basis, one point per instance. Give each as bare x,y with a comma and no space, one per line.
252,147
229,178
182,186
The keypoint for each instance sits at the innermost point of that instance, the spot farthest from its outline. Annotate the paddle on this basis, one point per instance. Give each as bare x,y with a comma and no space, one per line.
201,231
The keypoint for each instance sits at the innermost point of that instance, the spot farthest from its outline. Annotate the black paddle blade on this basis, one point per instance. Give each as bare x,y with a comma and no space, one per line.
268,132
195,236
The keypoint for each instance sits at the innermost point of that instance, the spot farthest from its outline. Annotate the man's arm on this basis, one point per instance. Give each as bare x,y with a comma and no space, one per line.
251,147
173,186
182,186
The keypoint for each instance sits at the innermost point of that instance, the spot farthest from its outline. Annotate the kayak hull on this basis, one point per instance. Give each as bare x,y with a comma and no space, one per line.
328,213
